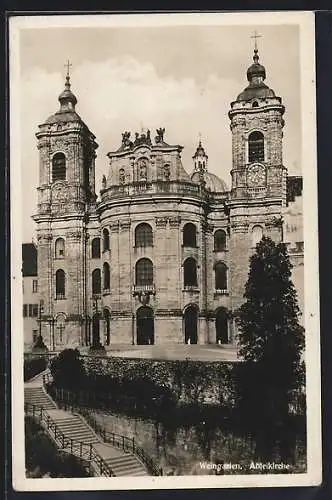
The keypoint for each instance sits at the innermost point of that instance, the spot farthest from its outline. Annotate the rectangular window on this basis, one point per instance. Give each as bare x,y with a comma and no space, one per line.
34,310
30,310
34,335
25,310
34,286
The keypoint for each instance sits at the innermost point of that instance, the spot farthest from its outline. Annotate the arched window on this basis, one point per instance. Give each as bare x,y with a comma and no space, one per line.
257,235
59,167
95,248
220,275
219,241
190,272
189,235
144,272
256,147
59,248
106,240
143,235
255,104
60,284
106,276
96,282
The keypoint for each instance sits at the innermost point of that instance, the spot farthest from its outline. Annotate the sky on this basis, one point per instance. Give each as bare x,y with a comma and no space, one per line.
182,78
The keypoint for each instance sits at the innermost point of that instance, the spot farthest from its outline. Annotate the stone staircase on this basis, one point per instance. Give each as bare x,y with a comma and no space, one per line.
75,428
127,465
35,395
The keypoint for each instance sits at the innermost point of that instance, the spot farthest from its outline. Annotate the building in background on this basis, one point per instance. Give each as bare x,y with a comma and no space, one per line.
30,294
163,256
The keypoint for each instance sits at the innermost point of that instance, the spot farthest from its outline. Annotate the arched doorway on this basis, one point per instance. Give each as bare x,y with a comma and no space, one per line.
145,326
221,326
190,324
95,330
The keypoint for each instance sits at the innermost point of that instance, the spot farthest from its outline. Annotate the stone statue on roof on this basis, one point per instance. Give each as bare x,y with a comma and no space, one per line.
126,142
160,135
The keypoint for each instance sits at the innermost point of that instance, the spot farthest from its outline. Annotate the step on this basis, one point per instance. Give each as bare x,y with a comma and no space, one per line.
38,400
78,432
129,472
85,441
46,404
123,459
137,474
81,437
76,441
34,395
71,423
131,465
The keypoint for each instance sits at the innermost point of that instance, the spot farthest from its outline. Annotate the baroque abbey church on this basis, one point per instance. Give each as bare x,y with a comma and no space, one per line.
162,256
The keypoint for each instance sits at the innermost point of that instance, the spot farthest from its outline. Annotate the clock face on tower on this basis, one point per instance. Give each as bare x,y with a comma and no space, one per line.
256,175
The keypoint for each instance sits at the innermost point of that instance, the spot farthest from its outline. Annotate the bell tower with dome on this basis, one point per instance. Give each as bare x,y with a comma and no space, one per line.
258,192
66,215
257,130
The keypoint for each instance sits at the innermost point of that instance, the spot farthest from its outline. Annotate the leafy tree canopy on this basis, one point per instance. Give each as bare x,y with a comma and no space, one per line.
68,369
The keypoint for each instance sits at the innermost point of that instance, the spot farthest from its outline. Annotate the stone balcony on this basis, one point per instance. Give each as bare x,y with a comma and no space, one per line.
149,289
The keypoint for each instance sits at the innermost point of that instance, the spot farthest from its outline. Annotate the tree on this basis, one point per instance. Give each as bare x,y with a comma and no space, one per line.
271,339
68,370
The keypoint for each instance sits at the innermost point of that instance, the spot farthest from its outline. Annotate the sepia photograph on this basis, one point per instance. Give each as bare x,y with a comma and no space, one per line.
164,242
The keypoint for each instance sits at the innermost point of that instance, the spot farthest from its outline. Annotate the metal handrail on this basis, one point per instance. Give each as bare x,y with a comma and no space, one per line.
86,451
126,443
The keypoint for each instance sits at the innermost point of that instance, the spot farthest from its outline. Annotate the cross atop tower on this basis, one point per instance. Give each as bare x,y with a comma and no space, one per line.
68,65
255,36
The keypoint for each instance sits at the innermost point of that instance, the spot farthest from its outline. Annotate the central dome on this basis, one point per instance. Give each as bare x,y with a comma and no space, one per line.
212,182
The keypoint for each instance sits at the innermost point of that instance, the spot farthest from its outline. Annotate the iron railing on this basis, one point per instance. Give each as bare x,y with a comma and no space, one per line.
64,400
84,451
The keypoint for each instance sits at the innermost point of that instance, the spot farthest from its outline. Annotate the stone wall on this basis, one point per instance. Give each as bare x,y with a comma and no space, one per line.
179,451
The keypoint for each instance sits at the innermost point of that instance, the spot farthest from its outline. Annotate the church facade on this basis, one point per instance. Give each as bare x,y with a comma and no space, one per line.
162,256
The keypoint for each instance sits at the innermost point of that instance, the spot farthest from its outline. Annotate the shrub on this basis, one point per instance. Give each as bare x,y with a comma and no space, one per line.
43,458
68,370
33,366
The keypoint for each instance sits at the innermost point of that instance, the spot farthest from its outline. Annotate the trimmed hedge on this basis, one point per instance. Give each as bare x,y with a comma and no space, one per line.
191,382
141,387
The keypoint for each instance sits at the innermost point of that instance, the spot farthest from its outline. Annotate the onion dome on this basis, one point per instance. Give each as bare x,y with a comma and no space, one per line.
67,111
67,99
256,75
256,70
